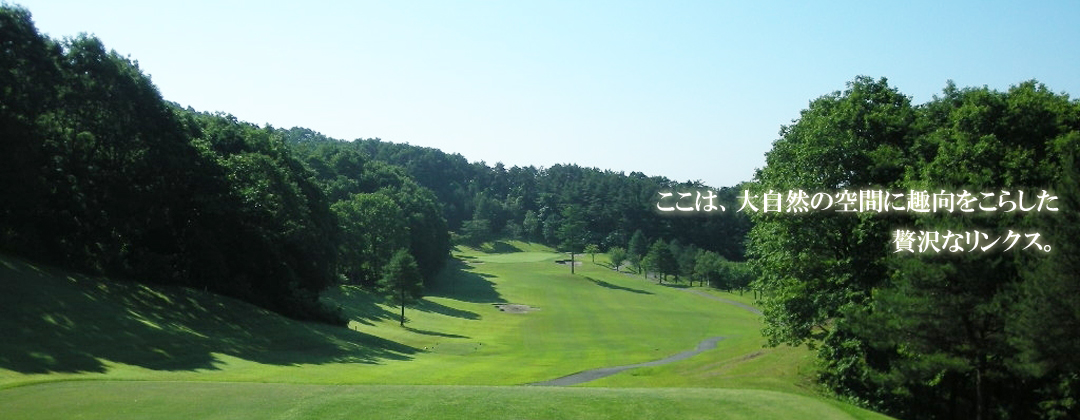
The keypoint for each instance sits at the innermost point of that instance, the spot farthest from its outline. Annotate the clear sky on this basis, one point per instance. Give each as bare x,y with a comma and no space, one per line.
687,90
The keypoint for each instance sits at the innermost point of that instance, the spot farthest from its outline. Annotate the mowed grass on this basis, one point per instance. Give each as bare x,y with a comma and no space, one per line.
154,400
176,341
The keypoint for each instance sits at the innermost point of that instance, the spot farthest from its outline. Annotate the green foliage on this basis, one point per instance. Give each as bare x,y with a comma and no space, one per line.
817,263
712,269
614,204
592,250
475,232
926,336
530,226
639,246
372,228
617,255
686,259
401,281
661,260
1047,314
106,177
572,230
344,169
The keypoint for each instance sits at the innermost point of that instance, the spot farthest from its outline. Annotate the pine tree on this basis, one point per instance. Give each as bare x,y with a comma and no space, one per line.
401,281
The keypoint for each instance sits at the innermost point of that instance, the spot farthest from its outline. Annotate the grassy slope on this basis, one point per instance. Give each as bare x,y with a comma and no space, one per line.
71,327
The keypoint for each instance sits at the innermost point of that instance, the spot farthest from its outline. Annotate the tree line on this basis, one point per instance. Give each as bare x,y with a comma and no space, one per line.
102,175
929,335
604,208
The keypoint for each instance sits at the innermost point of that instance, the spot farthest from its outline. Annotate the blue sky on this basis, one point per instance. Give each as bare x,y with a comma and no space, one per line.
687,90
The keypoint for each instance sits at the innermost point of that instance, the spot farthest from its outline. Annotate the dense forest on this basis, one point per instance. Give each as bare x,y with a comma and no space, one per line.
101,174
965,332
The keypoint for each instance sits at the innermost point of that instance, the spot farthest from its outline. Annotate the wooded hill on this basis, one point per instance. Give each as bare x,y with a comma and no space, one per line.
100,174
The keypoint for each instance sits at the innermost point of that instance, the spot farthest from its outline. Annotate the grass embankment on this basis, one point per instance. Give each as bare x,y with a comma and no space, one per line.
60,327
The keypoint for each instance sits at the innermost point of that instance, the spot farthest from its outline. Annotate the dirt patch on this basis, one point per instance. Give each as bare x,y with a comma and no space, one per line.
515,308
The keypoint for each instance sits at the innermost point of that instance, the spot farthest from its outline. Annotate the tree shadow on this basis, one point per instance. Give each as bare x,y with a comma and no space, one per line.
458,283
499,247
359,305
602,283
434,333
54,321
438,308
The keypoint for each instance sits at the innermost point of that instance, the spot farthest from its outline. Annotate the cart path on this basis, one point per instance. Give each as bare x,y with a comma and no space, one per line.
594,374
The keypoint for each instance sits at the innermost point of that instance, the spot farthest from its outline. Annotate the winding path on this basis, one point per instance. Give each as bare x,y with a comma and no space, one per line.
594,374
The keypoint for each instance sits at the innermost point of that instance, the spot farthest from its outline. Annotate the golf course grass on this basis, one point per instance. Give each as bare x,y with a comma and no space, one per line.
84,347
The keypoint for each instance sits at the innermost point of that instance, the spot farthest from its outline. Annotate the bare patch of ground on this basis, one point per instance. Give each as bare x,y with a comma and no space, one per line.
515,308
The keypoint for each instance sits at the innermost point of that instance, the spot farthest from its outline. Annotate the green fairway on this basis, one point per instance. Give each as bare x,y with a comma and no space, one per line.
68,327
166,400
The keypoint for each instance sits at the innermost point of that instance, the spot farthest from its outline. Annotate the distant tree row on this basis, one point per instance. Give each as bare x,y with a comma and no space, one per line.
100,174
960,333
566,206
683,262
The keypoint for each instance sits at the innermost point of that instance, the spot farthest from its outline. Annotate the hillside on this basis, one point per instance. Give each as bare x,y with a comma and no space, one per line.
87,338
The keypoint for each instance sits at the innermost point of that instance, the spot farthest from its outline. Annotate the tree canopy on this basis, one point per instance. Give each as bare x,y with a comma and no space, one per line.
929,335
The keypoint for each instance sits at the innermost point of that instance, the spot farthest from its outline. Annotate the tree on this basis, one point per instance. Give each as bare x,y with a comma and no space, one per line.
947,335
687,258
617,256
592,250
572,232
372,229
639,246
813,264
475,232
530,226
1048,311
709,269
401,281
661,260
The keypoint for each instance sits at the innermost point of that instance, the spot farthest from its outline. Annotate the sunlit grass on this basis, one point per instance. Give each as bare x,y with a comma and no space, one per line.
68,327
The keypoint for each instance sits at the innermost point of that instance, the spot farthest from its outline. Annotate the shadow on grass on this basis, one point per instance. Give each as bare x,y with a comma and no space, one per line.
458,283
359,305
434,333
602,283
54,321
499,247
438,308
368,308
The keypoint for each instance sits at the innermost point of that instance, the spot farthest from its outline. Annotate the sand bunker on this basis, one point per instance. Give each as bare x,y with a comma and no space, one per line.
515,308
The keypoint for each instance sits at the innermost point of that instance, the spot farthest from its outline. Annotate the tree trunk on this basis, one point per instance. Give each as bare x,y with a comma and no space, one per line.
978,392
571,262
402,304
